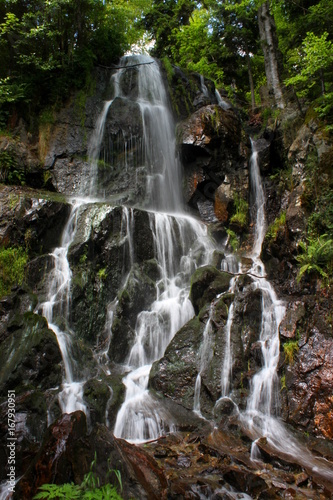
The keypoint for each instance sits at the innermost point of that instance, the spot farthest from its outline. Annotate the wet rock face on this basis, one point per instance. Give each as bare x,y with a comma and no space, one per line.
30,366
29,221
67,454
19,160
107,242
175,375
214,156
309,381
206,283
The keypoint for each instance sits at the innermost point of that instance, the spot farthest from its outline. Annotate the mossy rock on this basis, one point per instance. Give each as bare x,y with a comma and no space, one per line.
174,375
137,295
96,394
206,283
30,354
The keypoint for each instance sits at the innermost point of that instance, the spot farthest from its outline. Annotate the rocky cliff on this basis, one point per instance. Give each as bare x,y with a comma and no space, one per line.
114,273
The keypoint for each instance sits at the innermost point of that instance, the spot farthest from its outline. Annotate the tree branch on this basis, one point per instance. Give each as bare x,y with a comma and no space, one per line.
122,67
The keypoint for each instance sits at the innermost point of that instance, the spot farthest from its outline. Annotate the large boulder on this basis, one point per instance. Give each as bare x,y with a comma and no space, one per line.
107,242
214,153
68,452
30,368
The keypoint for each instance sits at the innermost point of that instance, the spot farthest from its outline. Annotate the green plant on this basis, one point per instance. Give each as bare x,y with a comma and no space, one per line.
83,258
9,173
47,117
240,218
89,489
233,239
275,227
12,263
168,68
290,349
102,274
283,179
316,256
283,382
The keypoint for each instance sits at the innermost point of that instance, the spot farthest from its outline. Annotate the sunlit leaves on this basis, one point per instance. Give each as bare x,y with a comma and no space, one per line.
314,55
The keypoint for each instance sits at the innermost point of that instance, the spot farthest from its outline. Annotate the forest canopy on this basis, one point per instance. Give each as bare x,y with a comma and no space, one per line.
48,48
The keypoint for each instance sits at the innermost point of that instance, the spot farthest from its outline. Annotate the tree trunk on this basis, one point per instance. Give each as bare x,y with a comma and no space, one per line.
269,46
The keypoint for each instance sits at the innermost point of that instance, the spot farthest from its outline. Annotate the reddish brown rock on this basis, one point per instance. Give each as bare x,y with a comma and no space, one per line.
309,381
146,470
294,314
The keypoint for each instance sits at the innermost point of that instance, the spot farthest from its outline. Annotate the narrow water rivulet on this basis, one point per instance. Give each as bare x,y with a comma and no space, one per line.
261,416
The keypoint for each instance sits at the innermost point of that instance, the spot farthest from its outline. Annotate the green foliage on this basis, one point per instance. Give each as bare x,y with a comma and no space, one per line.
9,171
12,264
89,489
309,63
316,256
168,68
278,224
102,274
233,240
47,49
240,218
283,382
290,349
193,48
321,218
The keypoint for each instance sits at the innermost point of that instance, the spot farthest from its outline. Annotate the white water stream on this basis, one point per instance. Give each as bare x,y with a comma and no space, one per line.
56,307
181,243
261,415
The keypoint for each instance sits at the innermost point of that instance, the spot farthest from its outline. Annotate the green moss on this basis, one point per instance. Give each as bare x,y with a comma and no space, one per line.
283,382
290,349
47,117
240,217
80,106
168,68
12,264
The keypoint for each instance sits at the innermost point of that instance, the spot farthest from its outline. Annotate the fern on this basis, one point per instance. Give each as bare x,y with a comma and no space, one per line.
89,489
316,256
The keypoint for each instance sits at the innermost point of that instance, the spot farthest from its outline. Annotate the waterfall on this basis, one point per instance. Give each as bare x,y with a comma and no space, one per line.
261,414
180,242
57,308
221,102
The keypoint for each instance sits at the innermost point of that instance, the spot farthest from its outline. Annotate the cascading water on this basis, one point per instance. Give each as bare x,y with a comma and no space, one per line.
261,414
179,244
180,241
57,307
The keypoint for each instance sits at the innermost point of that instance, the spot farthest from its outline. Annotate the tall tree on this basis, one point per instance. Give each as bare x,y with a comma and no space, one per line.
164,20
269,43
